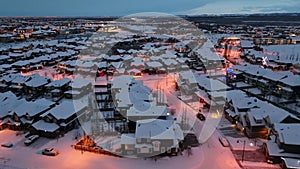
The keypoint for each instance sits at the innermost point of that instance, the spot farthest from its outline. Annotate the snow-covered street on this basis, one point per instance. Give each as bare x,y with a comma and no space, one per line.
209,155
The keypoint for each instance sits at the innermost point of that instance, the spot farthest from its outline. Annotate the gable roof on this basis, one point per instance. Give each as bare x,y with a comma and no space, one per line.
158,129
288,133
65,110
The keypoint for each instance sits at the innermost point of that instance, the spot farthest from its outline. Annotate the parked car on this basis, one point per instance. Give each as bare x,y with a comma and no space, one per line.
7,145
50,152
31,139
200,116
224,141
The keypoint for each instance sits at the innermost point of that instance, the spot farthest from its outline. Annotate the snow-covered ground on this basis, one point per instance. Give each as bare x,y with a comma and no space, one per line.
209,155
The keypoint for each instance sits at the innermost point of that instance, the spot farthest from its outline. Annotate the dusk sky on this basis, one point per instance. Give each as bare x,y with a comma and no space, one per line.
126,7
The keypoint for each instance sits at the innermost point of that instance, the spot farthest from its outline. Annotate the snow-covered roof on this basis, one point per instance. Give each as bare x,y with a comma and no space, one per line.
152,111
207,52
291,162
288,133
137,61
255,118
15,78
65,110
31,108
210,84
275,151
59,83
189,76
121,82
128,139
293,81
8,101
276,76
169,62
79,83
36,80
154,64
286,53
42,125
158,129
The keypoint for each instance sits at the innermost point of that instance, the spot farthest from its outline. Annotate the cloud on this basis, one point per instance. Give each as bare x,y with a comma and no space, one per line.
246,7
94,7
126,7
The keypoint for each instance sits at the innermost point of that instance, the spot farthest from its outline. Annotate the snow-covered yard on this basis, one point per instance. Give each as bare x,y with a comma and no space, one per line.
209,155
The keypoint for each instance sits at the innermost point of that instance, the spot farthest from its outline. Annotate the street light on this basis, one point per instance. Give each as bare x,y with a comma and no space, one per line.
243,148
244,141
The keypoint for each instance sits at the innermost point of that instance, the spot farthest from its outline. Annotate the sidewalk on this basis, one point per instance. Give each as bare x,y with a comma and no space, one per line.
250,144
258,165
252,154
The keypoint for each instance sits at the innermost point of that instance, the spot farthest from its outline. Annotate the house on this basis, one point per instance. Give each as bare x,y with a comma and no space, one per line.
170,64
233,75
153,66
60,119
78,88
153,137
209,56
8,101
28,112
283,85
152,111
36,84
284,143
289,87
58,87
237,106
7,37
4,58
255,117
120,92
46,129
255,124
187,82
211,91
128,142
287,137
15,82
290,163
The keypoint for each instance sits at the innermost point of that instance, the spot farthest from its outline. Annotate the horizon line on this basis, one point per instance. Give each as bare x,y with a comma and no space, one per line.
116,16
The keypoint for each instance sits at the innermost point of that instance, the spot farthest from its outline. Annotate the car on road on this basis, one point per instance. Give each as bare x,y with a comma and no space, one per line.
50,152
31,139
7,145
224,141
200,116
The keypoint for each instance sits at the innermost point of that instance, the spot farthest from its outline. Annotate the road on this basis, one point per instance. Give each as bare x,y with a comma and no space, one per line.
210,154
215,156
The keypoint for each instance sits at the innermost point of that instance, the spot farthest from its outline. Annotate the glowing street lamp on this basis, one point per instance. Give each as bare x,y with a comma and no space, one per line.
244,141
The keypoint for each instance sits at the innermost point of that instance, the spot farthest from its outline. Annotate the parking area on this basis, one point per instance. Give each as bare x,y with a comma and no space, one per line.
9,136
228,129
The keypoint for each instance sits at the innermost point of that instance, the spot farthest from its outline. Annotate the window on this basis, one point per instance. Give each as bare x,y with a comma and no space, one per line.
163,150
156,146
169,149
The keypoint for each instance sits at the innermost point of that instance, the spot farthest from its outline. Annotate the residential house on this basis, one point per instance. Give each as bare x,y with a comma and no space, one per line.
36,84
8,101
60,119
27,113
290,163
284,143
58,87
78,88
153,137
